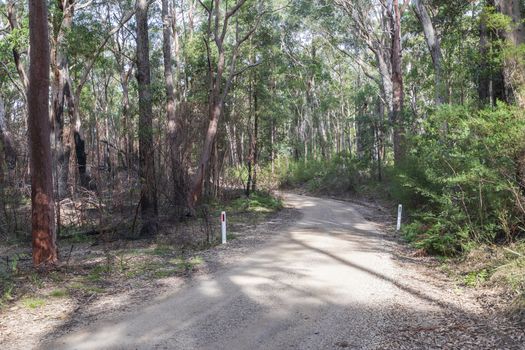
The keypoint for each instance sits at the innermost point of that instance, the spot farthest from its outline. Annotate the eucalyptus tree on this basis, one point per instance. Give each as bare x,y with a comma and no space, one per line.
394,14
174,125
42,202
148,194
220,75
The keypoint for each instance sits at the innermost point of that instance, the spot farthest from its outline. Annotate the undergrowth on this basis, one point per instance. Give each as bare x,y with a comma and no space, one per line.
174,252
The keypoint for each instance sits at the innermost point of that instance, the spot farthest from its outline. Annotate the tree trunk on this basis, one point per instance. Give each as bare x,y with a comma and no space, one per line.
172,20
514,63
385,73
59,90
78,141
490,82
206,154
148,196
251,111
397,85
255,136
434,46
42,203
173,122
126,118
272,144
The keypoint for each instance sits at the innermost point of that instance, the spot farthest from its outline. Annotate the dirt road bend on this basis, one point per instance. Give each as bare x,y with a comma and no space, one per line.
328,281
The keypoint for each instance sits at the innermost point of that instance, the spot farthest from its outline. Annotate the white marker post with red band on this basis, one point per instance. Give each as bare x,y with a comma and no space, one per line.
223,226
399,214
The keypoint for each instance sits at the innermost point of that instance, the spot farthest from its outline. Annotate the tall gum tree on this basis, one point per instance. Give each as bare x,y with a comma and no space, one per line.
42,203
148,194
397,82
177,173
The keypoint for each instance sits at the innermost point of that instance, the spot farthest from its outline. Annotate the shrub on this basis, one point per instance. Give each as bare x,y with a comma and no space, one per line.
460,175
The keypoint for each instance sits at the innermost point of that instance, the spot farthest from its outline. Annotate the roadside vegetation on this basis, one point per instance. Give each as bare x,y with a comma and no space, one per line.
105,264
463,200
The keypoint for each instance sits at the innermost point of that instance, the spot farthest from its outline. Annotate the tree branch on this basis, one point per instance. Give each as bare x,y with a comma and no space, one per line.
99,50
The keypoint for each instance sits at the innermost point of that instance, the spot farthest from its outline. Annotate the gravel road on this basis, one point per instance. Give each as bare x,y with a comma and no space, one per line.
328,281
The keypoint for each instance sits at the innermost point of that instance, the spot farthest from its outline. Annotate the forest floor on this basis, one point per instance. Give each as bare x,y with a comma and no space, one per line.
321,273
100,274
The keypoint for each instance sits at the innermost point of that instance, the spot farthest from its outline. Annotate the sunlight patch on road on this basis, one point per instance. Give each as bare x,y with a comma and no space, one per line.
210,289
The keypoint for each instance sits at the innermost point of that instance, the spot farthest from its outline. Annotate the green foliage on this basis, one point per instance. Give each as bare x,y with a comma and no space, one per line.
475,278
258,202
342,173
496,20
59,293
33,303
461,179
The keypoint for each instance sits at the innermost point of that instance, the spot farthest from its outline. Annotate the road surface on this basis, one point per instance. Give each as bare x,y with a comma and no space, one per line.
327,281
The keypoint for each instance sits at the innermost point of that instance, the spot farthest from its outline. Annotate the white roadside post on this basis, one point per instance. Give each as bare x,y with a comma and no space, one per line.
223,226
399,213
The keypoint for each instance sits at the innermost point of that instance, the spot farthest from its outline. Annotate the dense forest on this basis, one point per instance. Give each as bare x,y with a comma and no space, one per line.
128,127
158,107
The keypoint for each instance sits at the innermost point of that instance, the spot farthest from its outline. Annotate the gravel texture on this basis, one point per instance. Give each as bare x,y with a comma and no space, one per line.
319,276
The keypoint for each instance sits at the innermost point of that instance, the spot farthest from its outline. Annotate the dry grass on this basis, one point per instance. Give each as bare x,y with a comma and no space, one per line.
500,268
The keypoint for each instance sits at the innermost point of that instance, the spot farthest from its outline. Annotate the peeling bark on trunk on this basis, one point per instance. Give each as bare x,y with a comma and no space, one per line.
42,203
148,200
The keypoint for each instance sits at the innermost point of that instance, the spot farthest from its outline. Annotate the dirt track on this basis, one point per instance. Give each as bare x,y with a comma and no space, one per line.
328,281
